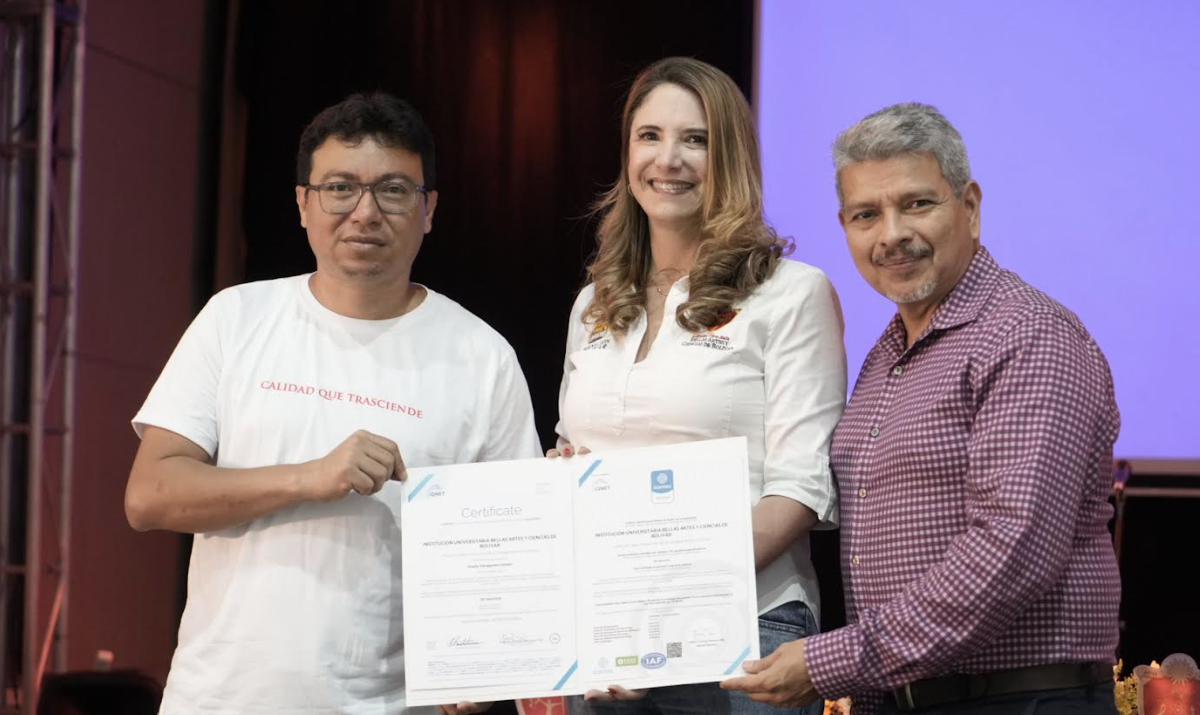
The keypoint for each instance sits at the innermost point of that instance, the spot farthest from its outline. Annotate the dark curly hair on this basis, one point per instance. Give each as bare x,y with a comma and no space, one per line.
387,119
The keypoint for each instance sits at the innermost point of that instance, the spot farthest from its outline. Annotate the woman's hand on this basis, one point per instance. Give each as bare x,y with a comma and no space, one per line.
615,692
567,451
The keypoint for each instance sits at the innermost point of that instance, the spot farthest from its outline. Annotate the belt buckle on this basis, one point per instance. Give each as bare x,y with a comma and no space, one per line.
909,703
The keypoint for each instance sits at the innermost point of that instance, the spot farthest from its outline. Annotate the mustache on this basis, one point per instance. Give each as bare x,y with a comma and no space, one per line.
904,250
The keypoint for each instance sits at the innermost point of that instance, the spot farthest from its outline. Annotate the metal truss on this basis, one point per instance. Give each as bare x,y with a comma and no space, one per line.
41,110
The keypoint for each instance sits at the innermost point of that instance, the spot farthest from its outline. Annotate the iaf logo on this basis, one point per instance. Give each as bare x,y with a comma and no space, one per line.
662,486
653,660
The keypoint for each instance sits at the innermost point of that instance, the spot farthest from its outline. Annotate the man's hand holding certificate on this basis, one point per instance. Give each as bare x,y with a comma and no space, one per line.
556,576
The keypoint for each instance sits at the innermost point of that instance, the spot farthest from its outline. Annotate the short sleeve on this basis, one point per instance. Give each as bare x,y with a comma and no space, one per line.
805,381
512,434
184,398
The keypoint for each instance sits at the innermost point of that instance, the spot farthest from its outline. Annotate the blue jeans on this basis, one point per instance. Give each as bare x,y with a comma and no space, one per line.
788,622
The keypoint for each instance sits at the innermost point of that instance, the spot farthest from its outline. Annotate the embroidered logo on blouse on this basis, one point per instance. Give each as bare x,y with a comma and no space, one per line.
724,319
710,341
598,331
599,338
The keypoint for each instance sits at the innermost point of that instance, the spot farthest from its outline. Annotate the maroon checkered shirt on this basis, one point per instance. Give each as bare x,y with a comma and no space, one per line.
974,470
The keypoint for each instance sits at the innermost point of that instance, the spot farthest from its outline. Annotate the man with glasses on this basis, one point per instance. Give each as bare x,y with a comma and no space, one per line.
283,413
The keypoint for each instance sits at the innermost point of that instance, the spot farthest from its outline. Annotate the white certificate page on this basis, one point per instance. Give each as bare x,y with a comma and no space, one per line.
540,577
665,585
488,574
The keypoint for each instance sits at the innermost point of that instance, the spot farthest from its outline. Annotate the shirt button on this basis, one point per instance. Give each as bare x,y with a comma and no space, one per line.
862,493
855,561
874,431
897,370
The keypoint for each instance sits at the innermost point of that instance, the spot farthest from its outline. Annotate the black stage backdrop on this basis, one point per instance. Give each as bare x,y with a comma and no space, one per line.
524,100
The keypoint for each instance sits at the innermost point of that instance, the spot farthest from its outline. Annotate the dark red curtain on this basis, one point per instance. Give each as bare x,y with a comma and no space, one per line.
524,98
524,101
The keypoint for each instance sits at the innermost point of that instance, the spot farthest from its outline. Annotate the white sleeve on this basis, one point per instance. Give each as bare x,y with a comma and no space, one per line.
575,340
511,432
184,398
805,375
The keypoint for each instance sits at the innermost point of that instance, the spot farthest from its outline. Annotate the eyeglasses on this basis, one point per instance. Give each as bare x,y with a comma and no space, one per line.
392,196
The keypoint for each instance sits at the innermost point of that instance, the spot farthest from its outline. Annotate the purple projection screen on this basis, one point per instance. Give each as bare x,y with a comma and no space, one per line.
1082,124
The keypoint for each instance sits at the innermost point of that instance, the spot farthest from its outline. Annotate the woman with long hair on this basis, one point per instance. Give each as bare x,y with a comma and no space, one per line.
692,326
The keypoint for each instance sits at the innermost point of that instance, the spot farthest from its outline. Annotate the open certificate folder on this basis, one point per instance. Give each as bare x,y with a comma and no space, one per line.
554,576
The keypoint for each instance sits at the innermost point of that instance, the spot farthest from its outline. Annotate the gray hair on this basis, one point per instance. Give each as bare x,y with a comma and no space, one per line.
906,128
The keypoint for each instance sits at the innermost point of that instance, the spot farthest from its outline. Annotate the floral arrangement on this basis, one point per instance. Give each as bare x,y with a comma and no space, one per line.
1172,688
1125,691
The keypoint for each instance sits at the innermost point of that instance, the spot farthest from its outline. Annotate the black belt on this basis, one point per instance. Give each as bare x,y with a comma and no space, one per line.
963,686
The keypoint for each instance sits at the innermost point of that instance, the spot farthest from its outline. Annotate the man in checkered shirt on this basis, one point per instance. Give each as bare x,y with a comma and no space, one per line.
973,462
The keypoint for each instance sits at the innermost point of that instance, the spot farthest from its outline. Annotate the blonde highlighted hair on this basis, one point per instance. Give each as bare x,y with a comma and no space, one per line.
738,250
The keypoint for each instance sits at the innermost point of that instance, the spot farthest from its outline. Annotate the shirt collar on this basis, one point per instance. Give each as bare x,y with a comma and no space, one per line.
962,305
968,297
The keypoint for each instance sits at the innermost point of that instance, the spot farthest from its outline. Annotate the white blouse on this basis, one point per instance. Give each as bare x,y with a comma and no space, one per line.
775,372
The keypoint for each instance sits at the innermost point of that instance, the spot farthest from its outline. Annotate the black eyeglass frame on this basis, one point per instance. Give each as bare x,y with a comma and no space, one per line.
363,187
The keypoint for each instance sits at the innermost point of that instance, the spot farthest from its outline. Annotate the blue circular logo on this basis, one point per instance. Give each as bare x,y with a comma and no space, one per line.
654,660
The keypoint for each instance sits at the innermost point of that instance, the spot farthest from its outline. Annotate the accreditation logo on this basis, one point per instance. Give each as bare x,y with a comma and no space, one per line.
624,661
662,486
652,661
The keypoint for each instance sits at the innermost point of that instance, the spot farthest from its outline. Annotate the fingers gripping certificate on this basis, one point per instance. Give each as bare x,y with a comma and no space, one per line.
555,576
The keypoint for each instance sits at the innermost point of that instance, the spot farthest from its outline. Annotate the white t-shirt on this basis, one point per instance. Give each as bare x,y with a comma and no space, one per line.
774,373
300,611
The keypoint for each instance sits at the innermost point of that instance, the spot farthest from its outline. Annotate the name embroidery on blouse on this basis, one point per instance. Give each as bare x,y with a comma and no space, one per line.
599,339
712,340
706,340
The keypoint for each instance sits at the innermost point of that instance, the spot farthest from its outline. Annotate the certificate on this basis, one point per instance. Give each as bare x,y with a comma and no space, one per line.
555,576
